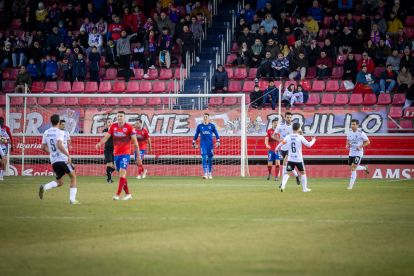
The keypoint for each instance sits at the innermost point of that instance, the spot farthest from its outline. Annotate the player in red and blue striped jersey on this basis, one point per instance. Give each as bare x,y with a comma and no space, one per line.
271,145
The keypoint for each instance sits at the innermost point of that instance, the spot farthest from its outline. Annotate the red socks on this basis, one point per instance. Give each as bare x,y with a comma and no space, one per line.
140,169
126,187
121,185
277,170
269,168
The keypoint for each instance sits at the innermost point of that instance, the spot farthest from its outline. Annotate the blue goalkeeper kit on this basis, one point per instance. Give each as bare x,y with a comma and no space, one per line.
206,144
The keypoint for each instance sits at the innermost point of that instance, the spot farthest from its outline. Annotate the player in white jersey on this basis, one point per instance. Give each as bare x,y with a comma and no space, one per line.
294,143
67,143
53,143
4,139
284,129
356,141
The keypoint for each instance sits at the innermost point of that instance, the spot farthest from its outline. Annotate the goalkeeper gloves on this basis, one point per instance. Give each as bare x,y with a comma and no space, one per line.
194,145
218,144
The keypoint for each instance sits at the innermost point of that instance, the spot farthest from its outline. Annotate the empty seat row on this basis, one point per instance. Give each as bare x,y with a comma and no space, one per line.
227,101
405,127
356,99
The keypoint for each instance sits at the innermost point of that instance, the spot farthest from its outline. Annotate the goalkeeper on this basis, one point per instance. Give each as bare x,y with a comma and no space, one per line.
206,130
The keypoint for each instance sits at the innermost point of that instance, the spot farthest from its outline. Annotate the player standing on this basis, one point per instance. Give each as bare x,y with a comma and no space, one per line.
143,138
109,152
272,155
122,134
284,129
4,140
53,143
6,146
294,143
67,141
356,141
206,130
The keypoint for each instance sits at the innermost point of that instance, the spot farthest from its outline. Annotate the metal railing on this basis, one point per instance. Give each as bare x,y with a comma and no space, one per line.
182,77
223,51
187,64
211,71
217,58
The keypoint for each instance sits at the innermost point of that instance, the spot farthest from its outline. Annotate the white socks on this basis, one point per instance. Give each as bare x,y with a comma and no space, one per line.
360,168
73,192
295,173
353,177
304,182
285,180
284,171
50,185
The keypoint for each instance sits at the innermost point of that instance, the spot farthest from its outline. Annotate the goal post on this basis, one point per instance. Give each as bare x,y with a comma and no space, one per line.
171,120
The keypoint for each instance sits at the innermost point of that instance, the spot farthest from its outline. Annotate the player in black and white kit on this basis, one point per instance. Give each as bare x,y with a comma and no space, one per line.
294,143
4,139
53,143
356,141
109,153
284,129
67,143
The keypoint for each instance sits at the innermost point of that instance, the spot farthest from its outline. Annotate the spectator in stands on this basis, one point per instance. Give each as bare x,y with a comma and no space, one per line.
346,41
388,80
123,49
316,11
299,67
76,48
243,54
22,78
137,20
267,9
246,13
409,97
187,39
165,22
404,80
350,68
47,26
61,28
55,13
265,68
381,9
273,48
280,67
393,25
366,83
375,35
41,14
255,25
124,18
197,31
107,9
50,67
351,23
289,38
336,23
407,61
383,52
333,38
27,38
158,9
389,41
313,52
271,94
199,8
83,39
95,40
69,38
277,36
166,3
366,61
257,53
13,39
66,63
394,60
54,40
381,23
312,25
36,53
371,50
329,50
150,45
359,42
19,56
262,35
284,22
115,29
239,28
200,19
32,68
256,96
94,60
298,27
297,50
173,13
269,23
330,7
92,14
102,27
179,31
220,80
369,5
399,11
323,66
111,56
88,26
70,17
365,24
138,56
79,70
287,95
28,19
246,37
165,43
345,6
291,7
298,97
401,41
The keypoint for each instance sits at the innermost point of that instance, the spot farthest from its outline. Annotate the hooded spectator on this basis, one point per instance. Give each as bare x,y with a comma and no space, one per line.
41,14
220,80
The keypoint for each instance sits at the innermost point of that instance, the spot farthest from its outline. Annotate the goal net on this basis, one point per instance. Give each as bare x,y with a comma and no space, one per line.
171,120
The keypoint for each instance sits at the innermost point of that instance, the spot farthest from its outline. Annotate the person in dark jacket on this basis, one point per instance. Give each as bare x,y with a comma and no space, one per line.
107,9
271,94
323,66
47,26
28,19
364,24
409,97
256,97
329,50
94,60
350,22
33,69
247,37
262,35
383,52
265,68
41,39
333,38
79,70
54,40
19,56
313,52
275,35
178,32
350,68
36,53
407,61
66,62
22,78
150,46
257,53
83,38
70,17
187,39
7,54
111,57
299,67
346,41
401,41
50,67
92,14
283,23
388,80
220,80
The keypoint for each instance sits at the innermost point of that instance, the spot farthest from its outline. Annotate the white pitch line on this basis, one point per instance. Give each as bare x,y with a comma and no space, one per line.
218,219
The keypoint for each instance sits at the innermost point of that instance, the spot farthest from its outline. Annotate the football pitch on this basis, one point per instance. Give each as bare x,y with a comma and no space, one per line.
224,226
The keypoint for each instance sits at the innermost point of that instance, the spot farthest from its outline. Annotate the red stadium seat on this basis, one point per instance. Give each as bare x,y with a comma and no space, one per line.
16,101
341,99
406,125
306,85
326,21
380,108
338,108
51,87
308,108
313,99
9,87
340,60
240,74
223,109
64,87
322,33
119,87
323,107
165,74
343,89
408,113
53,110
105,87
352,108
105,109
321,43
81,112
248,86
356,99
177,73
145,87
229,72
159,87
31,101
328,99
358,57
252,74
337,73
16,24
409,22
399,99
384,99
318,86
85,101
409,32
170,86
234,48
295,108
126,102
182,10
59,101
211,108
139,101
263,85
215,102
287,83
6,74
366,108
229,61
310,74
78,87
154,102
91,87
102,62
44,101
332,86
359,9
98,101
378,71
392,127
71,101
110,74
13,74
395,112
139,75
152,74
2,100
370,99
133,87
234,86
229,101
37,87
112,101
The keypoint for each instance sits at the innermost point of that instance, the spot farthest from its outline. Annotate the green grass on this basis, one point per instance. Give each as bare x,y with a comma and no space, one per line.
224,226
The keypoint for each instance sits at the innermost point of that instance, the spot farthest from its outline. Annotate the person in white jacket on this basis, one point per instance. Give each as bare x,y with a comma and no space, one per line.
297,96
95,39
287,95
102,27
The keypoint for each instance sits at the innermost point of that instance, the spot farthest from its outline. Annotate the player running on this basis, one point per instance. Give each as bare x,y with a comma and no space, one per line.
122,134
294,143
143,138
283,130
67,141
356,141
272,155
6,146
206,130
53,143
4,140
109,152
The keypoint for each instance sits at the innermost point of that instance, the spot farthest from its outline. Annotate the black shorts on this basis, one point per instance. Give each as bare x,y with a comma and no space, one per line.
354,160
292,165
61,168
109,156
284,153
